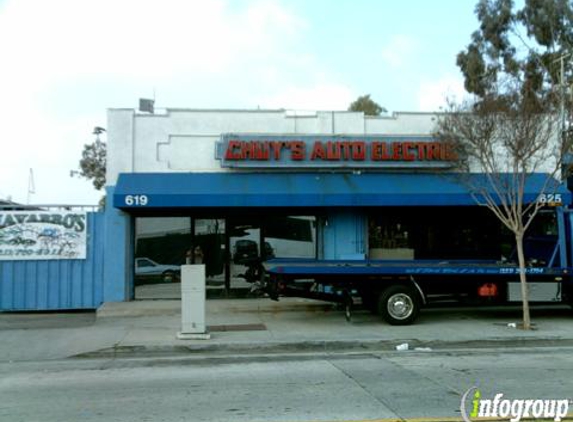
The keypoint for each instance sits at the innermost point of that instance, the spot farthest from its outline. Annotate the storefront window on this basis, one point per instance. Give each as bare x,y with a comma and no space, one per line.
244,242
161,245
390,238
290,237
209,249
229,247
435,233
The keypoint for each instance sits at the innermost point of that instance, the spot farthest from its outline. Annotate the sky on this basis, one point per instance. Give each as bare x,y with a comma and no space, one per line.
65,62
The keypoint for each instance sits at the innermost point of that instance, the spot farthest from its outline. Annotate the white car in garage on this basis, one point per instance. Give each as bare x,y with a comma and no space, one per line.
147,269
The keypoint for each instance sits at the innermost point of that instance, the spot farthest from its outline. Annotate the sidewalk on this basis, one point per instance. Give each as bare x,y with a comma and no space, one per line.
261,326
264,326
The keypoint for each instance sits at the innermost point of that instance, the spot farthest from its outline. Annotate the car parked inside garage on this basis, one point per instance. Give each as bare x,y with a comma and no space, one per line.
149,271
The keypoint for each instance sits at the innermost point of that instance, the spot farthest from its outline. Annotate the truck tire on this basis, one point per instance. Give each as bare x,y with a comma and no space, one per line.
399,305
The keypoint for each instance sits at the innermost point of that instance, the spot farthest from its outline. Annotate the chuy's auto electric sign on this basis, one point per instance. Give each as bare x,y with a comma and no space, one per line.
324,151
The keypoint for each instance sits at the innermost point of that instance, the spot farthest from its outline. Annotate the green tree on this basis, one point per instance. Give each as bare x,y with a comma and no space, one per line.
523,46
515,63
367,106
93,161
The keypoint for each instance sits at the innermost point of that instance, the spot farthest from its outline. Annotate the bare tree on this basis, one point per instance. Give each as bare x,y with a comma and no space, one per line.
506,138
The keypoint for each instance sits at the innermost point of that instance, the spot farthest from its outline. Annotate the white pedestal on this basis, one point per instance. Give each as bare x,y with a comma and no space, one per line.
193,303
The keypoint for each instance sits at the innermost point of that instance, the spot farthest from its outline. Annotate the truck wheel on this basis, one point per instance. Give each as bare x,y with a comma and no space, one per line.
399,305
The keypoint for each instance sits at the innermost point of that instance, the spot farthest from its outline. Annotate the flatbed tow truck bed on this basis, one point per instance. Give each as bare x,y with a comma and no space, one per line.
397,289
295,267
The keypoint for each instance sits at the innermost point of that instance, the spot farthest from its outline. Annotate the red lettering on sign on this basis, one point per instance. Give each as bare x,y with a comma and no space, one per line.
230,154
421,146
276,148
358,151
344,150
297,151
380,151
246,151
318,152
432,151
396,151
333,151
385,151
376,151
406,153
262,151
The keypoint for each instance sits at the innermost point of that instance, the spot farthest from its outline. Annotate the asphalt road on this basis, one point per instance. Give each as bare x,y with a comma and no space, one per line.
339,387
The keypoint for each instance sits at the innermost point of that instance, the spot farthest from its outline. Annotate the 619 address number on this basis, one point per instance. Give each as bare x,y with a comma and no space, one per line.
136,200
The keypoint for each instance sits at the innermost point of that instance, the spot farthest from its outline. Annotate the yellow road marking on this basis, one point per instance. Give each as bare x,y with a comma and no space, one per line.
567,418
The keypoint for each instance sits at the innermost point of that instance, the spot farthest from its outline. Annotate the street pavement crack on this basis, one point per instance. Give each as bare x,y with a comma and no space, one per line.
365,389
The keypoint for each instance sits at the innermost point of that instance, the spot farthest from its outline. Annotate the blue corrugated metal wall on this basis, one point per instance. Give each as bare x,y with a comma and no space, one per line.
57,284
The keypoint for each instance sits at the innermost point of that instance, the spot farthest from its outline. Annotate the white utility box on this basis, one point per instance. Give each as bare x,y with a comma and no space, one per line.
193,303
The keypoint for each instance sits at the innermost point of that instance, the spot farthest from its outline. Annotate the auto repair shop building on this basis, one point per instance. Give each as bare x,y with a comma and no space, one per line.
224,187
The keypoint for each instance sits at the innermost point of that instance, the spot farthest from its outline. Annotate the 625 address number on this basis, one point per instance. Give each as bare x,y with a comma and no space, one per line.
551,199
136,200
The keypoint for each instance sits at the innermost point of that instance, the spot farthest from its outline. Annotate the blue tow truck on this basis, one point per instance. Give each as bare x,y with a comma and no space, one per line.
398,289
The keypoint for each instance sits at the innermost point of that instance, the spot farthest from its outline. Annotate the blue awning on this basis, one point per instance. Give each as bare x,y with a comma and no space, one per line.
166,190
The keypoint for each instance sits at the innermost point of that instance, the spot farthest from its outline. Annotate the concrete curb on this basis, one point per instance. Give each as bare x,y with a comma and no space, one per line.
319,346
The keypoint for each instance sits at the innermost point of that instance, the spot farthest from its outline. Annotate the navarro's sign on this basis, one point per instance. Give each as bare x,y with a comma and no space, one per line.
263,151
39,235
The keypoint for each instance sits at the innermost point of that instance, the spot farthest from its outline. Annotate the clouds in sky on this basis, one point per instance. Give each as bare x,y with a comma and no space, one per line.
434,94
65,61
322,96
399,50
